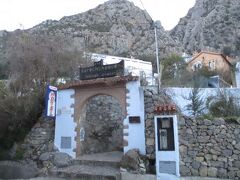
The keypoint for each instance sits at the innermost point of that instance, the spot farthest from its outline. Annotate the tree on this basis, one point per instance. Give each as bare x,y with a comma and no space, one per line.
33,61
174,71
37,60
196,105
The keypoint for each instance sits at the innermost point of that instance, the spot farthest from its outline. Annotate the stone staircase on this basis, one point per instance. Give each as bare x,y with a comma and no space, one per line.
101,166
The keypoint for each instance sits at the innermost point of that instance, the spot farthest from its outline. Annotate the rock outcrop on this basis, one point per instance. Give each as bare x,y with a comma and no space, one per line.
210,25
17,170
116,27
133,162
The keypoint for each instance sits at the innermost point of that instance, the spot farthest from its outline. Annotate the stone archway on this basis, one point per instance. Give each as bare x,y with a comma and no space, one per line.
86,90
101,123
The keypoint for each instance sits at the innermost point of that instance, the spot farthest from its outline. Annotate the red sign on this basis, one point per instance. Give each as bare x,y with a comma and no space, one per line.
169,108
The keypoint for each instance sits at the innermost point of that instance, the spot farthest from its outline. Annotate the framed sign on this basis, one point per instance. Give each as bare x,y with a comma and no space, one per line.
50,101
134,119
101,71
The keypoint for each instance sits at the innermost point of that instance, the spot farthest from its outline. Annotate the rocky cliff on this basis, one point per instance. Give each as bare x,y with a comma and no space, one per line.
210,25
116,27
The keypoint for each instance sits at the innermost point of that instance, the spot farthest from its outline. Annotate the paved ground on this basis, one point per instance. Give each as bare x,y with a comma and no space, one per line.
127,176
112,157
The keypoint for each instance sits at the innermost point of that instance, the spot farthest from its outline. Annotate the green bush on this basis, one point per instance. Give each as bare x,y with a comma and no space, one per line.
223,105
19,154
4,68
18,113
100,27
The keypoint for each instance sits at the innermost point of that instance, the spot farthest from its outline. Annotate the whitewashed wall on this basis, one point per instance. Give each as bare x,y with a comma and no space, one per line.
179,95
65,125
136,132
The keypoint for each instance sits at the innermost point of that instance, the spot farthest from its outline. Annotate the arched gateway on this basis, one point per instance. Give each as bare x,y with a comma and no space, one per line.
100,115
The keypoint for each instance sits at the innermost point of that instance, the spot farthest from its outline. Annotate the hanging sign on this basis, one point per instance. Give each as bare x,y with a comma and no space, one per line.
50,101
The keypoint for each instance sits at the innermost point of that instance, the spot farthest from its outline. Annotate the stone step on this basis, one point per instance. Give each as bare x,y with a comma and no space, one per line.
102,163
87,172
111,159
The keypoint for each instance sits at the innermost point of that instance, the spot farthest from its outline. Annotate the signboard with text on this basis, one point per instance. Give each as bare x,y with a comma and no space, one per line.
101,71
50,101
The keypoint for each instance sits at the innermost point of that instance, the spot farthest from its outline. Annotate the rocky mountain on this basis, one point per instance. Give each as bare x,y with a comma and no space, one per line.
210,25
116,27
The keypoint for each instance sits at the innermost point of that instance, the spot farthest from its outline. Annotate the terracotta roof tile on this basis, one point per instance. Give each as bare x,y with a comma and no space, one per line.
98,81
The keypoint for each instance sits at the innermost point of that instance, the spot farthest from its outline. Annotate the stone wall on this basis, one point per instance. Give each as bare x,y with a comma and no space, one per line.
151,98
149,124
39,140
207,147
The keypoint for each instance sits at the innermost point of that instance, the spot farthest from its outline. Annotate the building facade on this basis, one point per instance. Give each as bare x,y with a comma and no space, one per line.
215,62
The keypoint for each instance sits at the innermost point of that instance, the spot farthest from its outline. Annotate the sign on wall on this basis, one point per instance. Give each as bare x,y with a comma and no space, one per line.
101,71
50,101
134,119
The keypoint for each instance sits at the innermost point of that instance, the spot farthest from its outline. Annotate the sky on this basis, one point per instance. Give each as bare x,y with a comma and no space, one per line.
24,14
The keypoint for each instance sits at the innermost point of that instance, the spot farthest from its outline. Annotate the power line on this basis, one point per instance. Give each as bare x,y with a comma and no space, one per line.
156,44
142,5
144,12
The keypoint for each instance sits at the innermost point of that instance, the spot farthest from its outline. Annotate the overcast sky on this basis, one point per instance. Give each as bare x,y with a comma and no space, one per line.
19,14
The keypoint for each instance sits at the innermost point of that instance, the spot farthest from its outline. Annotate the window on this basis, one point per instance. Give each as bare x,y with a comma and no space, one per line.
66,142
211,65
165,134
196,66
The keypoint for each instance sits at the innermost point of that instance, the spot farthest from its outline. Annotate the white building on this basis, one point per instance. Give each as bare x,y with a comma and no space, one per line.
136,67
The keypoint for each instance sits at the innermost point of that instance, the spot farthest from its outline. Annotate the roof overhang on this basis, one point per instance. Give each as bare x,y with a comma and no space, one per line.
98,82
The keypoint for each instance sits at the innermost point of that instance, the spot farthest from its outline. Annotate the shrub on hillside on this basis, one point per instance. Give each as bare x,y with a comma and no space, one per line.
34,61
224,105
18,114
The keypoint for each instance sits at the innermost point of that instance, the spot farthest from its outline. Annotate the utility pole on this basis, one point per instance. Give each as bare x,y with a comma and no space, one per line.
157,58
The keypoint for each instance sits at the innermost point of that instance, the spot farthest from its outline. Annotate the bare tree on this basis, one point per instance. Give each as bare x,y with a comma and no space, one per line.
34,62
